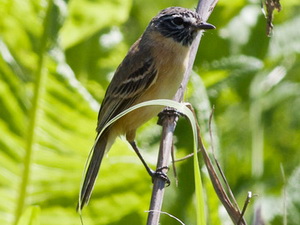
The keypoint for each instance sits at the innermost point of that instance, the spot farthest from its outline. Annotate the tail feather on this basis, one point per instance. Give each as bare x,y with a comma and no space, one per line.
92,171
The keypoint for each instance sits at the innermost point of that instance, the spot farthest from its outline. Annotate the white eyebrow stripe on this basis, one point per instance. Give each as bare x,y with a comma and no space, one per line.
187,19
191,20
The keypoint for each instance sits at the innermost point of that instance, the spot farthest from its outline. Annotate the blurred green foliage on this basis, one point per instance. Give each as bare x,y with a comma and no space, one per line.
56,60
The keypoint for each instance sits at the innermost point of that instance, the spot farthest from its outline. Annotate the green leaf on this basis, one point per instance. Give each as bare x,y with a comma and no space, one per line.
30,216
88,17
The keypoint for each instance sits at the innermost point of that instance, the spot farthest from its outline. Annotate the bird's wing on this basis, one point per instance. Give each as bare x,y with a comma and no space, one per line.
135,74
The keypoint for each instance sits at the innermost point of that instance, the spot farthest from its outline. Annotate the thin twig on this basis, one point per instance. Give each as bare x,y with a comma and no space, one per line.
162,162
170,215
217,162
232,208
233,212
204,8
247,201
186,157
173,165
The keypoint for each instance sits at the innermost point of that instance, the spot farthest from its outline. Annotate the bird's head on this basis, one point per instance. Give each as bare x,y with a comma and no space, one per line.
180,24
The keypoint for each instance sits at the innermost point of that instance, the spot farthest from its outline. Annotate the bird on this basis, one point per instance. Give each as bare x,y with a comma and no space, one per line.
152,69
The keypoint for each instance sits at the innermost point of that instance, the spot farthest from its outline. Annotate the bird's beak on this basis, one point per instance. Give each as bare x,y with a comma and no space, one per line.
204,26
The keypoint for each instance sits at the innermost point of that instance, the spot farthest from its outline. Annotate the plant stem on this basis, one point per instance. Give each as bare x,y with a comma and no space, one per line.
39,87
169,124
204,8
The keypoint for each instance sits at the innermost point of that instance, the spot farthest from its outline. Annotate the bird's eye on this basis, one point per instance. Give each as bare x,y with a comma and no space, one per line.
178,21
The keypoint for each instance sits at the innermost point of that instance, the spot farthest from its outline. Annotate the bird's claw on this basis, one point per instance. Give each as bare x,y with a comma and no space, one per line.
168,111
160,174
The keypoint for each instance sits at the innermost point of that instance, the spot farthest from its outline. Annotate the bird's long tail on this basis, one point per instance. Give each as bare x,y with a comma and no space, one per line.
91,173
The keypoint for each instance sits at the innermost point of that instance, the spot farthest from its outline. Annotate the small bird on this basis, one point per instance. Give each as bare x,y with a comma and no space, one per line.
152,69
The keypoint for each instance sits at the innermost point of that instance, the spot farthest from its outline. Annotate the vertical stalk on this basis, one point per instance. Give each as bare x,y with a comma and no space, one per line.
204,8
39,87
169,124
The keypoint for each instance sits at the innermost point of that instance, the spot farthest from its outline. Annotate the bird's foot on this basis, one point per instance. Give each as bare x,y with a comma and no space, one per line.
168,112
161,174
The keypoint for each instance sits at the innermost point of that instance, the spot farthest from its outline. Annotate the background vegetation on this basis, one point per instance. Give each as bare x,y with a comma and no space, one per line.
56,60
